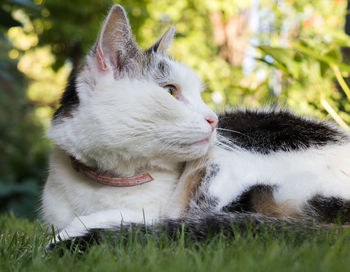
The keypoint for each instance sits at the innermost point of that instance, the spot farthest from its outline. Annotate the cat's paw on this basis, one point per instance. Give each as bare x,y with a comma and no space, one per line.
75,229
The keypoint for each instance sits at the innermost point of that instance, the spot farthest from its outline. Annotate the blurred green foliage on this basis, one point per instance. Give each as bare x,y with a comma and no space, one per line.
23,154
286,52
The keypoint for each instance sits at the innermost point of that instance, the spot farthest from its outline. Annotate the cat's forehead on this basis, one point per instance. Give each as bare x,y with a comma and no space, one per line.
158,67
165,70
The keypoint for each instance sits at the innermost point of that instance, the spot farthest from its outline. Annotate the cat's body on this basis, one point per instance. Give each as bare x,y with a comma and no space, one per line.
129,112
279,164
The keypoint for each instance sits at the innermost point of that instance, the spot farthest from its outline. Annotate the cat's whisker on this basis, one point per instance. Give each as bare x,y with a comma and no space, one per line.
223,141
234,131
226,146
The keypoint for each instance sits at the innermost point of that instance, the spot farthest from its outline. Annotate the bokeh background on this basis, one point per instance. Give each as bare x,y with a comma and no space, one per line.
283,52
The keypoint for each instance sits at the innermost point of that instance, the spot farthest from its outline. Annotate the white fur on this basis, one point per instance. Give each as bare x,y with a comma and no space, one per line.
298,175
69,194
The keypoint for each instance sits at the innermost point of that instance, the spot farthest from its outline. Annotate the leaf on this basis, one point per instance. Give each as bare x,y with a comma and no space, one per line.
316,55
285,57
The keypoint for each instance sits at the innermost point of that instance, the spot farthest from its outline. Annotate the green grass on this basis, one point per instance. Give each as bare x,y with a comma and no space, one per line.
22,248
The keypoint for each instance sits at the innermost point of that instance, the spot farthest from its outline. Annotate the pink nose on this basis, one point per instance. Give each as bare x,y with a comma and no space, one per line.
212,120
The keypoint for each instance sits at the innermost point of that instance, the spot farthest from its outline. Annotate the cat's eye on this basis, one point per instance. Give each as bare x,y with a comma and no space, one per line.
171,89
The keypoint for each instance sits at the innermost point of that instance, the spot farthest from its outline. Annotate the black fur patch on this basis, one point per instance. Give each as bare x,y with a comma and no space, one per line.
266,132
70,99
194,228
212,171
329,209
247,201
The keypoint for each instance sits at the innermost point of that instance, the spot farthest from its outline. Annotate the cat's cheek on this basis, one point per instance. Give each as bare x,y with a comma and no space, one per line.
181,98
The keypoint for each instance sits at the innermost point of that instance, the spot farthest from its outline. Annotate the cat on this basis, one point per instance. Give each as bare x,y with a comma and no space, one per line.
135,144
126,112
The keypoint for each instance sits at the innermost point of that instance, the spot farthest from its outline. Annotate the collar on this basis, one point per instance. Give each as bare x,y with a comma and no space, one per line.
107,180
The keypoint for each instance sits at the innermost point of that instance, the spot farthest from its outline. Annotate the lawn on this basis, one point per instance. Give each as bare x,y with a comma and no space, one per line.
22,248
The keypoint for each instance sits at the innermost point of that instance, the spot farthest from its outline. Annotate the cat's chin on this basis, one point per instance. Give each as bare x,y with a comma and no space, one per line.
197,149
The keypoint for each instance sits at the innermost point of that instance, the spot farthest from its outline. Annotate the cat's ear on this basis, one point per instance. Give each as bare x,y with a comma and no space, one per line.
164,41
114,40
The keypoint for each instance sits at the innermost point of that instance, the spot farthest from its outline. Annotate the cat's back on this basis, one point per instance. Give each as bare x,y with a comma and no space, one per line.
271,130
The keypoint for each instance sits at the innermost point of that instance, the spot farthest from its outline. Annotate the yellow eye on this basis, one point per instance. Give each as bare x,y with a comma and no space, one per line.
171,89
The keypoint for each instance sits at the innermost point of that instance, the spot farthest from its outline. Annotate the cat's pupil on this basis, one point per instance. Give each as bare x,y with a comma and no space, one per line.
171,90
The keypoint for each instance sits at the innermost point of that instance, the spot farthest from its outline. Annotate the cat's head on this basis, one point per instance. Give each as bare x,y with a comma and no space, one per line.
129,103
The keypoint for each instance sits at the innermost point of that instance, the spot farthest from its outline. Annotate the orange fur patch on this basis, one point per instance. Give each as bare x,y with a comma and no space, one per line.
192,177
263,202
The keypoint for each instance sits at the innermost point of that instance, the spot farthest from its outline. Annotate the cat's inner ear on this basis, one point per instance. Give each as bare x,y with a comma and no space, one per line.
114,40
164,41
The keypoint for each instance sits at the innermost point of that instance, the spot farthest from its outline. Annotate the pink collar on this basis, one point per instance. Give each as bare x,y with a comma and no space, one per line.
110,181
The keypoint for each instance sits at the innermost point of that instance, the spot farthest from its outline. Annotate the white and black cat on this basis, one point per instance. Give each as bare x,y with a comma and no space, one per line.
134,143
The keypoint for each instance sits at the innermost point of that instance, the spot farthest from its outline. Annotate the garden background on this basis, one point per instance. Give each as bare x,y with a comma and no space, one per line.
291,53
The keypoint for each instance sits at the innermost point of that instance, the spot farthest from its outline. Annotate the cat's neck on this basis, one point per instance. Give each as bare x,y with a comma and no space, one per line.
119,166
